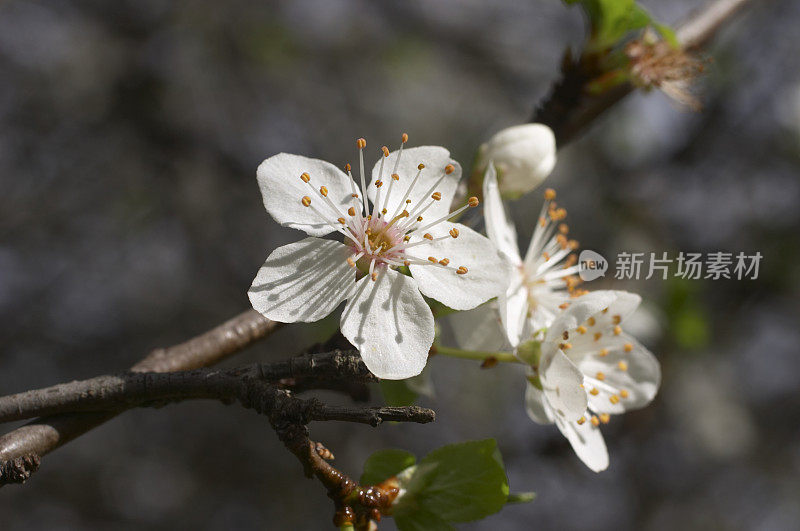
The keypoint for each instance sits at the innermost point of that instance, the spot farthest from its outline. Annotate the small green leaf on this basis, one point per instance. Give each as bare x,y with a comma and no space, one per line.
398,393
384,464
421,520
521,497
457,483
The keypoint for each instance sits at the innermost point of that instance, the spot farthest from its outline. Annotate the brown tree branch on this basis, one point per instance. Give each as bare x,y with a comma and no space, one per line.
569,108
28,443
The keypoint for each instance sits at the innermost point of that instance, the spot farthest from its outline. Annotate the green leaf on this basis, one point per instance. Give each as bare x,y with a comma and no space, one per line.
398,393
457,483
612,20
521,497
421,520
384,464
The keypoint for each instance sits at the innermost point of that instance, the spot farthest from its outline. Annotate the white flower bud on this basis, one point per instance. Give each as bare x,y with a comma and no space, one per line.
524,155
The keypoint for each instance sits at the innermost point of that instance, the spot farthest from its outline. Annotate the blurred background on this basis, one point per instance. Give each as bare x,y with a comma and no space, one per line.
130,218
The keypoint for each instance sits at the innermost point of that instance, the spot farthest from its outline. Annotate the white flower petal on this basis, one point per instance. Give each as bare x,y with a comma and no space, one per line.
283,192
640,378
435,159
579,310
499,227
562,384
303,281
479,329
513,308
587,441
536,407
391,325
487,275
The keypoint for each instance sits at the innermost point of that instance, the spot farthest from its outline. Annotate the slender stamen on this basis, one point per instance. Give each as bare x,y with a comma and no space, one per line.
408,192
361,143
473,202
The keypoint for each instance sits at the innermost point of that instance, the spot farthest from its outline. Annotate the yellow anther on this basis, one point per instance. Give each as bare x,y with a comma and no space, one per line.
565,335
306,201
605,418
581,420
406,263
623,393
594,391
351,211
419,218
614,399
406,238
355,196
581,329
433,259
549,194
385,151
361,143
347,167
600,376
428,236
444,261
462,270
421,166
384,211
597,336
323,191
603,352
546,256
616,319
436,196
563,228
374,276
395,177
449,169
378,184
473,201
590,321
617,330
404,138
605,310
342,221
454,232
351,262
542,222
565,346
563,305
595,421
306,177
622,366
628,347
573,244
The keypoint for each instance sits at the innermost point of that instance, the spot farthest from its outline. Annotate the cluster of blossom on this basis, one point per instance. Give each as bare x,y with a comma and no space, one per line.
399,243
690,265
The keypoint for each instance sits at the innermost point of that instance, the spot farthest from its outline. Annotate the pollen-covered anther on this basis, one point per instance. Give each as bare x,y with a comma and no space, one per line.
406,263
581,329
594,391
542,222
628,347
378,184
361,143
614,399
404,138
436,196
433,260
354,196
549,194
395,177
351,262
590,321
603,352
473,202
566,346
581,421
374,276
385,151
449,169
444,261
597,336
323,191
351,211
563,305
605,418
616,319
384,211
428,236
347,167
622,366
595,421
306,177
600,376
617,330
454,232
306,201
624,393
565,335
420,166
342,221
563,228
573,244
462,270
406,238
546,256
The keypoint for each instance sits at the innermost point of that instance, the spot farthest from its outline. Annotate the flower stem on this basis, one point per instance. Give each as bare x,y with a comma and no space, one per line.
479,355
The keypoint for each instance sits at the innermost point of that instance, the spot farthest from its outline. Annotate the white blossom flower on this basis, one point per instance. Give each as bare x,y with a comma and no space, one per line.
618,373
405,226
524,155
540,285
